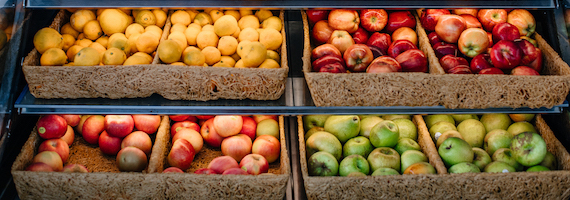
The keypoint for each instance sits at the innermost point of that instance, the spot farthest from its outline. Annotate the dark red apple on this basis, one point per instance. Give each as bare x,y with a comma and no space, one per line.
400,19
524,70
430,16
399,46
384,64
317,15
450,61
492,70
460,69
360,36
51,126
441,49
413,60
480,62
357,57
373,20
333,68
505,31
382,41
532,56
326,60
434,38
376,52
506,55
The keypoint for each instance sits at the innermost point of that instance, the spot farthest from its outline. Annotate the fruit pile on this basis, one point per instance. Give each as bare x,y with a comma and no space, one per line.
114,134
391,47
491,143
220,38
494,40
102,37
393,137
233,134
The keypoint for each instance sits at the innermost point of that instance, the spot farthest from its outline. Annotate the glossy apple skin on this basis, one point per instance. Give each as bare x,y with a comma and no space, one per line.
341,40
267,146
75,168
254,164
109,145
450,61
210,135
430,16
119,125
181,154
172,170
441,49
358,57
473,41
237,146
259,118
39,167
400,19
466,11
480,62
471,21
228,125
235,171
492,70
205,117
523,20
147,123
506,55
450,27
413,60
322,31
222,163
460,69
524,70
317,15
178,118
326,60
69,135
72,120
405,33
400,46
532,55
249,127
92,128
505,31
51,158
380,40
373,20
333,68
343,19
138,139
323,50
51,126
491,17
360,36
131,159
56,145
434,38
183,124
384,64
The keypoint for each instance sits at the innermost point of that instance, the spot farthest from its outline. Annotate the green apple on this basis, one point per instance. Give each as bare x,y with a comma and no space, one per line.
406,128
549,161
324,141
411,157
313,131
367,124
445,135
521,117
385,171
459,118
322,164
494,121
538,168
528,148
384,134
343,127
267,127
454,150
362,117
433,119
464,167
420,168
481,158
519,127
506,155
499,167
440,128
356,174
393,117
497,139
310,121
473,132
405,144
353,163
384,157
359,145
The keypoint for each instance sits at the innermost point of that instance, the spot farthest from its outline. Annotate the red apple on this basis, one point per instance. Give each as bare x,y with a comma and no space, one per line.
405,33
50,158
491,17
400,19
210,135
323,50
317,15
322,31
109,145
254,164
39,167
532,55
119,125
56,145
532,41
140,140
191,136
490,36
471,21
506,55
383,64
79,127
204,171
333,68
72,120
430,16
460,69
228,125
51,126
205,117
523,20
373,20
178,118
192,119
222,163
524,70
181,125
267,146
357,57
450,61
326,60
466,11
92,128
492,70
450,27
131,159
443,48
434,38
147,123
181,154
360,36
236,146
77,168
400,46
381,41
505,31
248,128
172,170
235,171
480,62
341,40
259,118
343,19
413,60
69,136
473,42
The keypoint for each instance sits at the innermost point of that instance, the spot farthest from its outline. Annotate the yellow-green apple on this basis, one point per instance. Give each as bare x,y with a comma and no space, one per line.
210,135
178,118
497,139
312,131
79,127
443,48
366,125
413,60
532,55
254,164
336,67
505,31
405,144
449,27
471,21
360,36
455,150
353,163
39,167
228,125
322,31
499,167
506,55
466,11
51,126
407,128
460,69
323,50
384,171
380,42
481,158
267,127
189,135
172,170
109,145
357,146
324,141
400,46
132,159
235,171
523,20
373,20
532,41
142,141
119,125
147,123
464,167
341,40
473,132
92,128
432,119
204,117
222,163
399,19
521,127
450,61
249,127
75,168
315,15
51,158
181,154
384,64
326,61
420,168
56,145
237,146
491,17
506,155
440,138
493,121
182,125
384,157
524,71
480,62
492,70
267,146
549,161
521,117
405,33
537,168
204,171
72,120
343,19
310,121
343,127
69,135
528,148
411,157
462,117
322,163
473,41
259,118
441,127
429,18
356,174
358,57
434,38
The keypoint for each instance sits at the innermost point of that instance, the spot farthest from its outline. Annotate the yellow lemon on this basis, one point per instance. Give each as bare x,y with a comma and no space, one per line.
188,49
212,54
53,57
80,18
169,51
241,46
180,38
103,40
206,38
178,63
203,19
154,30
180,17
269,64
227,45
67,29
263,14
249,21
125,10
134,29
87,57
272,22
239,64
195,25
160,17
81,36
194,57
47,38
68,41
192,14
208,27
178,28
254,53
225,25
233,13
228,60
236,34
271,38
114,56
92,30
72,51
145,18
191,34
245,11
216,14
248,34
99,11
139,58
273,55
83,42
221,64
119,41
133,42
114,21
147,42
100,48
208,10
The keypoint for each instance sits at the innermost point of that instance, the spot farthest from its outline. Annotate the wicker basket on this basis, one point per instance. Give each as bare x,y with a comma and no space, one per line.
104,182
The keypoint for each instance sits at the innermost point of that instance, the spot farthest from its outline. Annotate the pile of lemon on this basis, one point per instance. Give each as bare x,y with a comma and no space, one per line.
230,38
102,37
